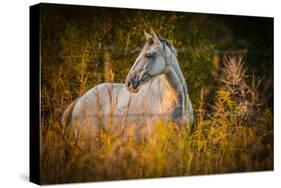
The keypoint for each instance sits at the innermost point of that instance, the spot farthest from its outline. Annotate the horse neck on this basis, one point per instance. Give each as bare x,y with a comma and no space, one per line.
176,80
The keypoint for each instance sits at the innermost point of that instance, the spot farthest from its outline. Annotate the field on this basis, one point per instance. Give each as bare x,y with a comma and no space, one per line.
236,137
229,71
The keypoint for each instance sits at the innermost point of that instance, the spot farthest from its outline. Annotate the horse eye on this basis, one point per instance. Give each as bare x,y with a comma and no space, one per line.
149,55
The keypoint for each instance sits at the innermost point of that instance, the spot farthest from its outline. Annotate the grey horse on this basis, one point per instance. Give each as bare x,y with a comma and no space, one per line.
155,90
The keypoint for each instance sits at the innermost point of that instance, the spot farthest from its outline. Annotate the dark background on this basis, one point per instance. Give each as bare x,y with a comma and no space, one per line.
77,41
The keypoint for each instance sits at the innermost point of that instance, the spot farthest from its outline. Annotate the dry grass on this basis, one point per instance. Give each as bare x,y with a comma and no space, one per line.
237,136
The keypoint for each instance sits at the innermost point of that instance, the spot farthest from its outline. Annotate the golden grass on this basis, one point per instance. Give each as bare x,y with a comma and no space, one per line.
236,136
208,149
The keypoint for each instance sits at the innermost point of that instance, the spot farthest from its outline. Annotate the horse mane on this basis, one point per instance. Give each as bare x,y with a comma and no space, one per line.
170,45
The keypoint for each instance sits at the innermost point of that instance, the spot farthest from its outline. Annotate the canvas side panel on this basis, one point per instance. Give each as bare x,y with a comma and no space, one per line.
34,94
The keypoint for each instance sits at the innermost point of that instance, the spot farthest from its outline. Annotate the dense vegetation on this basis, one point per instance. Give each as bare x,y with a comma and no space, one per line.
228,65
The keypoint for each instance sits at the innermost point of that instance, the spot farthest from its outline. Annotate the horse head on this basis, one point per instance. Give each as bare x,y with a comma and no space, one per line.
150,63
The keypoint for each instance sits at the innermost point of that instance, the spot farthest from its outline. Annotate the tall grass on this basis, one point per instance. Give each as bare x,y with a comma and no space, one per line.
235,136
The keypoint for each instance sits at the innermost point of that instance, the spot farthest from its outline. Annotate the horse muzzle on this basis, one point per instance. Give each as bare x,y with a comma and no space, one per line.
133,85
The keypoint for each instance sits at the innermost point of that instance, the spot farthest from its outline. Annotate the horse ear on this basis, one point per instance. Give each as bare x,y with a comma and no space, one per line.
147,36
154,37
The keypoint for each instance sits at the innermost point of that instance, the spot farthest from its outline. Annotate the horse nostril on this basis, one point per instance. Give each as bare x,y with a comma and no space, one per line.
128,83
